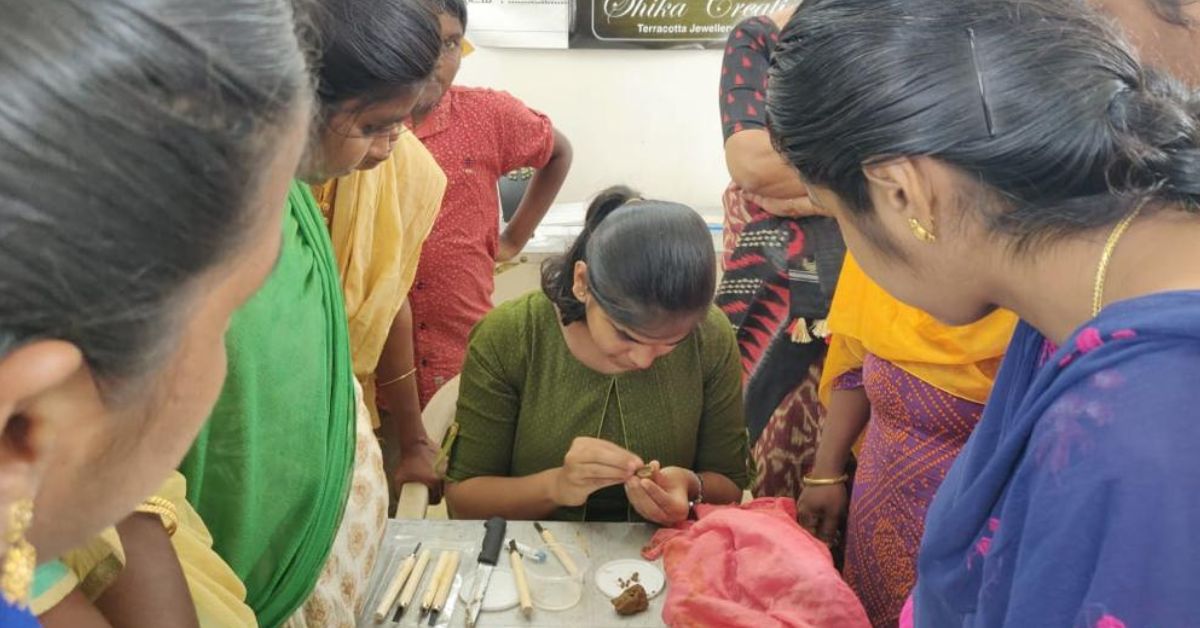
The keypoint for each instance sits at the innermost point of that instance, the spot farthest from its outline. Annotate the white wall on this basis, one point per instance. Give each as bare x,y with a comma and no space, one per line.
645,118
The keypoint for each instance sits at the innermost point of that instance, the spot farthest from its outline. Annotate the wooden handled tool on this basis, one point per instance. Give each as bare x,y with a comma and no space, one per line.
432,588
443,592
414,581
393,589
518,569
557,550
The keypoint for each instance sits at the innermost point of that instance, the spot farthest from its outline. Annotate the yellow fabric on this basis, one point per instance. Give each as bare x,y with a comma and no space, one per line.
961,361
97,564
378,220
217,592
219,596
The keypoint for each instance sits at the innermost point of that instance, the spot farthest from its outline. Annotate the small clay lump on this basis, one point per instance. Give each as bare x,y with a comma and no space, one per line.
632,601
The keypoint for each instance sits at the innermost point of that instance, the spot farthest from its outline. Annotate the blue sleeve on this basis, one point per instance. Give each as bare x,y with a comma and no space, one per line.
1108,504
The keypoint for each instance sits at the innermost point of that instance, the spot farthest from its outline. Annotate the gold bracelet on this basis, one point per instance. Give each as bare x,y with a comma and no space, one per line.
808,481
164,509
398,379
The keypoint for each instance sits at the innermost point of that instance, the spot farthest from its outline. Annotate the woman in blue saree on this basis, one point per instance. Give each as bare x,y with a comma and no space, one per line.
1013,153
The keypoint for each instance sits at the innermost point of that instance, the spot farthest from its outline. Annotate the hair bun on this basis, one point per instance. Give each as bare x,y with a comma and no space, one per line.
1158,124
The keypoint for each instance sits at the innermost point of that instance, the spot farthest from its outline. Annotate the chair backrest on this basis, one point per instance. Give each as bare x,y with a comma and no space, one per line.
439,412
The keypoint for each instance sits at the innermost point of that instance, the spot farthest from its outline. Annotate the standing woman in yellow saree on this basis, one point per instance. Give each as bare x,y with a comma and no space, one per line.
287,474
378,218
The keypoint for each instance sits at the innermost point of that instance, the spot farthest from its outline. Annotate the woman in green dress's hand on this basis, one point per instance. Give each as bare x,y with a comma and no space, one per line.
665,497
590,465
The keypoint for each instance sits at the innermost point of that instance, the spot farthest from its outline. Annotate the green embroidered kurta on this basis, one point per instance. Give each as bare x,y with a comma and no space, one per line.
524,397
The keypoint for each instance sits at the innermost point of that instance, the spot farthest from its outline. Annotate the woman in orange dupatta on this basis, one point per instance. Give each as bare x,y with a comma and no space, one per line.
378,218
917,387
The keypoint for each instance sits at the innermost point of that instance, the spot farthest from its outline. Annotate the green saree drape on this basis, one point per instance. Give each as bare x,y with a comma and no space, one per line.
270,472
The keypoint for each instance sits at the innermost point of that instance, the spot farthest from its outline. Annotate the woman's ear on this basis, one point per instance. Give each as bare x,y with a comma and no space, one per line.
579,286
902,194
29,418
898,186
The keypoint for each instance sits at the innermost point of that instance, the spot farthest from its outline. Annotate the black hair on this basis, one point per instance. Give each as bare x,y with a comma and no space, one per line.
374,49
645,260
456,9
132,138
1039,100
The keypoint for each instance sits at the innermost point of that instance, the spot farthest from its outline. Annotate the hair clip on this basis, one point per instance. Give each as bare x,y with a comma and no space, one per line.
983,100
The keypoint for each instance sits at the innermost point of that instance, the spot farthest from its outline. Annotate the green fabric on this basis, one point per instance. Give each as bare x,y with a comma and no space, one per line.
524,397
270,472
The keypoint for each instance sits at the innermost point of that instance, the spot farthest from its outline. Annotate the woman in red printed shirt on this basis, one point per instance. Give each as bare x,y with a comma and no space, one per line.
477,135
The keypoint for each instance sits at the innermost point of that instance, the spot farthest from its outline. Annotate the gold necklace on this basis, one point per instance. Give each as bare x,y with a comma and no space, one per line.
1102,269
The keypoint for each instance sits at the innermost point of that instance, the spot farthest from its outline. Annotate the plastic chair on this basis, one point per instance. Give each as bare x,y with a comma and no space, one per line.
413,501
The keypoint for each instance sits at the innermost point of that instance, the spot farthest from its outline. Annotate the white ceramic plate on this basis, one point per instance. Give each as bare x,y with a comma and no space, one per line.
610,575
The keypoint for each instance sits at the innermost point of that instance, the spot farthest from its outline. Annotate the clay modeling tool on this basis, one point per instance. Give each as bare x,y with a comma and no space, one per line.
393,590
414,581
518,568
557,550
443,592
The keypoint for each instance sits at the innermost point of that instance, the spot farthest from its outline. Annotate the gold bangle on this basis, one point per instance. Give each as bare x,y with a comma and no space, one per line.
164,509
398,379
809,481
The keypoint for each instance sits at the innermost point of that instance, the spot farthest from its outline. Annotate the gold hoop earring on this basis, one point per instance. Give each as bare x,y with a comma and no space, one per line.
921,233
16,574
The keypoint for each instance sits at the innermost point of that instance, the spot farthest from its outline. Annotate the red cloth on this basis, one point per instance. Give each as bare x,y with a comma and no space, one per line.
752,566
477,136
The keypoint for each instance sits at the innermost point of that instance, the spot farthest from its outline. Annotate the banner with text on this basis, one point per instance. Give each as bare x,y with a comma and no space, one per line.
661,23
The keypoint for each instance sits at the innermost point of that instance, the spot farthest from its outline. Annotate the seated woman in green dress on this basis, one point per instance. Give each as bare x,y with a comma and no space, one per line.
618,369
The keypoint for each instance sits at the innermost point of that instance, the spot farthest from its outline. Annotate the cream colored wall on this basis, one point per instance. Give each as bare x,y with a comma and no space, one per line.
645,118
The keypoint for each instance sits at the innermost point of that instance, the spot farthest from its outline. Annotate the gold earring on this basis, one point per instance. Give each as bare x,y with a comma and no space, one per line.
16,574
921,233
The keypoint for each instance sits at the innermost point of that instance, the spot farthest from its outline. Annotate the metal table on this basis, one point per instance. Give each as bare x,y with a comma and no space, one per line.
602,542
